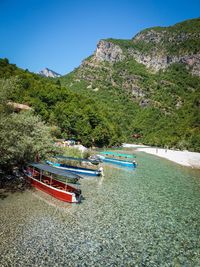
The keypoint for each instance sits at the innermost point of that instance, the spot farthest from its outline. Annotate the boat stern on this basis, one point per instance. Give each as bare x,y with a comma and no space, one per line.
76,198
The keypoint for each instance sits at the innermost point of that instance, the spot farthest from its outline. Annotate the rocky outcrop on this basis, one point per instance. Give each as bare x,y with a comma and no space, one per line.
107,51
156,48
193,63
161,35
160,42
149,36
49,73
157,61
161,46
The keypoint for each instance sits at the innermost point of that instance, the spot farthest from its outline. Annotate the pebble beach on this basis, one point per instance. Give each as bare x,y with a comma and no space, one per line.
184,158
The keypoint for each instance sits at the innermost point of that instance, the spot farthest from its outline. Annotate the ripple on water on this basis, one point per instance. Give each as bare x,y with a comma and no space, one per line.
146,217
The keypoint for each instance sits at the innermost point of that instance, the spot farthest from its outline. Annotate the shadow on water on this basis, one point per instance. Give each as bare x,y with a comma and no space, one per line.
3,196
120,166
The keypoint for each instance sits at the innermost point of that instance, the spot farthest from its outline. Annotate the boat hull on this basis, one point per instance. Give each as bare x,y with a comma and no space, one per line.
116,154
120,162
55,192
83,171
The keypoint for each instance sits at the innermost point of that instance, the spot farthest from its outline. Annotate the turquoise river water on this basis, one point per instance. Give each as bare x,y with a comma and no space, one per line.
144,217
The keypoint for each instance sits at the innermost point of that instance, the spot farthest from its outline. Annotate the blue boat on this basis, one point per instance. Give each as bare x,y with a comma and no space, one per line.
117,154
92,160
119,161
75,169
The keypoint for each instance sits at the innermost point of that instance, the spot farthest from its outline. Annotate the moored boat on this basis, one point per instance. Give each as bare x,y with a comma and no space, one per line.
118,158
118,155
75,169
119,162
90,161
42,177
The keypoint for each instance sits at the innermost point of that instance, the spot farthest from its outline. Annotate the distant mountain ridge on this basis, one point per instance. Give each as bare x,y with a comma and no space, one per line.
49,73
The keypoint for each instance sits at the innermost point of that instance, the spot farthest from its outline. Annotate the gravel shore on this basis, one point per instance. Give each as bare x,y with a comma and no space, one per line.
185,158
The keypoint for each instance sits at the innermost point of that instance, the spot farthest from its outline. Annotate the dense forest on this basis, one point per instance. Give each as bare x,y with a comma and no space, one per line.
73,115
169,116
110,116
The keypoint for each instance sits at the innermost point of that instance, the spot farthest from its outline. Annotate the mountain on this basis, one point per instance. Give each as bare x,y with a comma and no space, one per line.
49,73
156,48
158,70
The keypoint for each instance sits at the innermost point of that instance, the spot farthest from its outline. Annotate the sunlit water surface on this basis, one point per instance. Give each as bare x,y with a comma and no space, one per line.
146,217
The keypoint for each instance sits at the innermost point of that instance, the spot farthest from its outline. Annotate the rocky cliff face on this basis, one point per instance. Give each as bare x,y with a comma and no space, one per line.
161,61
155,60
49,73
107,51
132,65
156,48
167,48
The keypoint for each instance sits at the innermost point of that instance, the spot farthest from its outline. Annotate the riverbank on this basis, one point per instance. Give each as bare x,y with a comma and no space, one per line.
185,158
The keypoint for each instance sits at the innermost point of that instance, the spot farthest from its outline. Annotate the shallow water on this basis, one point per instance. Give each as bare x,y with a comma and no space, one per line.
146,217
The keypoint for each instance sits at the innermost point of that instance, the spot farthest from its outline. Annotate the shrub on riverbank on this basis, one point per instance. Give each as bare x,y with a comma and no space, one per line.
23,136
76,153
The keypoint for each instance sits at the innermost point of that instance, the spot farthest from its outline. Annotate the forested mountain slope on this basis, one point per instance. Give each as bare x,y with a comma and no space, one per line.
158,71
71,114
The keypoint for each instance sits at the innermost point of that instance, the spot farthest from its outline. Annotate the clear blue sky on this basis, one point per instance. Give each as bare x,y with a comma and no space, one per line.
59,34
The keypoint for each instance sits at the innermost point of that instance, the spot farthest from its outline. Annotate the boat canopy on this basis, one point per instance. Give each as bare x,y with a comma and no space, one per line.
117,154
53,170
71,158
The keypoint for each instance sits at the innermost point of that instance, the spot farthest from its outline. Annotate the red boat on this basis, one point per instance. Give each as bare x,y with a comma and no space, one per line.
41,176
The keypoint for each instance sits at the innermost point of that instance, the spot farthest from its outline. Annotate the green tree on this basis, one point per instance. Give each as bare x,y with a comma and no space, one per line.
23,136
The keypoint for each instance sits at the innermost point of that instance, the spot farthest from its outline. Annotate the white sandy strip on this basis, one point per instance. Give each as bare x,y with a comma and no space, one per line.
133,145
185,158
